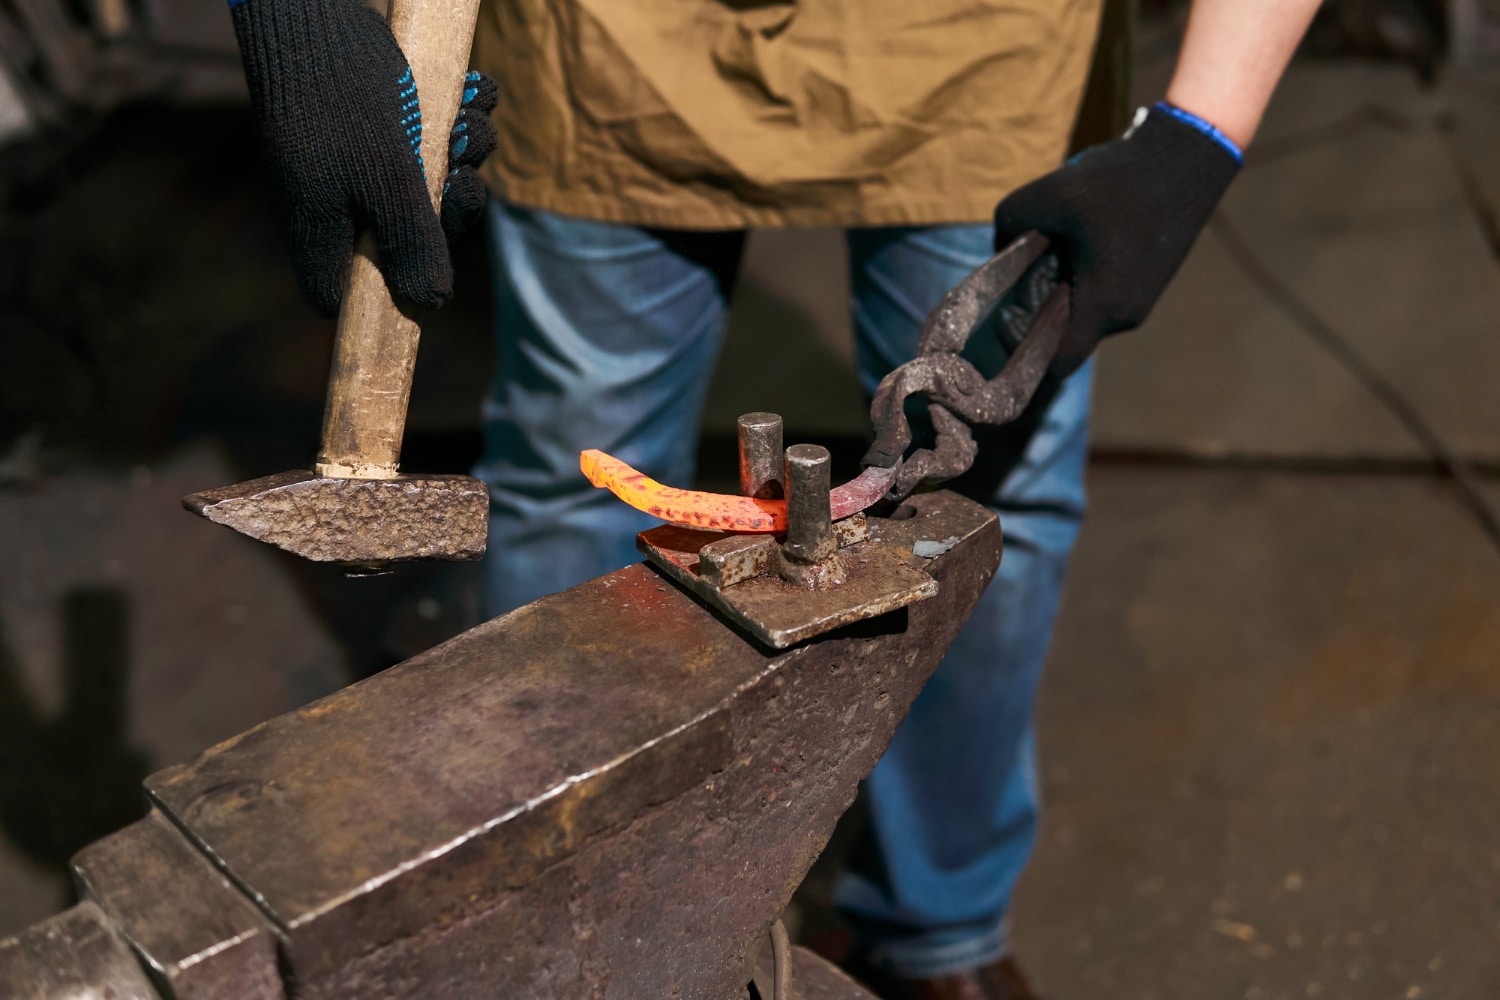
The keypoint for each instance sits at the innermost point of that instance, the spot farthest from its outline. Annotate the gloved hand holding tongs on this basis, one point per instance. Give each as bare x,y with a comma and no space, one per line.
1123,216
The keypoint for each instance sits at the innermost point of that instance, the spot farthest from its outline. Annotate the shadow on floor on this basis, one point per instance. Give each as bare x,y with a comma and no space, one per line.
69,779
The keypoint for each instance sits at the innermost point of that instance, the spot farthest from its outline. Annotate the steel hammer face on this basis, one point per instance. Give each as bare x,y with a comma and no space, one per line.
356,523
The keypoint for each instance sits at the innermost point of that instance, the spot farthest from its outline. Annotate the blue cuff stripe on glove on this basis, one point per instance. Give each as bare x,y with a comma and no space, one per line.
1208,128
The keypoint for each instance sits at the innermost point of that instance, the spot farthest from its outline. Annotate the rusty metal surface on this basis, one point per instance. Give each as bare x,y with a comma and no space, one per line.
957,393
76,955
199,935
877,580
607,793
809,528
355,521
762,468
727,558
809,556
755,580
947,328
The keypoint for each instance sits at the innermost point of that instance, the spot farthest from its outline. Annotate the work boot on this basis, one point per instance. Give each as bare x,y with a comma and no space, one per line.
1001,980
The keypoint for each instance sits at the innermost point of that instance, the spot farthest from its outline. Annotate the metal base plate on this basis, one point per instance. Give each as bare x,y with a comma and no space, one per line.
878,578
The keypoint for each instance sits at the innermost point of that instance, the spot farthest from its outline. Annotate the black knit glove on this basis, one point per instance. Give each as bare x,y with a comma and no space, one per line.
1122,217
339,116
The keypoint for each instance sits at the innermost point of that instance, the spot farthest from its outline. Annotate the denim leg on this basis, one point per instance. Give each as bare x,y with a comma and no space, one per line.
954,803
606,336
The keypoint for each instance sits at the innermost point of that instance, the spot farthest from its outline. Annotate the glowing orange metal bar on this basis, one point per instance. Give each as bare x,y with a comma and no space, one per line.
695,509
691,508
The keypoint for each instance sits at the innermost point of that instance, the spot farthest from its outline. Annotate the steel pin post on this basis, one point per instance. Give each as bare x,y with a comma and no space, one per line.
762,474
809,533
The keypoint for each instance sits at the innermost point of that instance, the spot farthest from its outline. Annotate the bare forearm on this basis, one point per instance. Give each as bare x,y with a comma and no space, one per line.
1232,56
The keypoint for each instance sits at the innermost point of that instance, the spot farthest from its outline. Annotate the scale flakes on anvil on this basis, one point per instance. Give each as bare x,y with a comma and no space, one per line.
830,568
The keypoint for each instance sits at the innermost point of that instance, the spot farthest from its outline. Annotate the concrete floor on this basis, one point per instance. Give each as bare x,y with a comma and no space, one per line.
1270,742
1268,732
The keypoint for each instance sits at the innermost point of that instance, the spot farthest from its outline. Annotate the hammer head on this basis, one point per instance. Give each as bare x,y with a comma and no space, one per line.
363,523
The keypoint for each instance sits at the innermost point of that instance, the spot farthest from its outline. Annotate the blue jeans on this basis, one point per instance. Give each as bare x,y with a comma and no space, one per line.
607,336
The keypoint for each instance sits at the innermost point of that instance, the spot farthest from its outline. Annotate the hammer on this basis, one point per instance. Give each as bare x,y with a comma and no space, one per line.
353,508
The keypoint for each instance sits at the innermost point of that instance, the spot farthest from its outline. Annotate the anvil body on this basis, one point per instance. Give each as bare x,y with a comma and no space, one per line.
609,793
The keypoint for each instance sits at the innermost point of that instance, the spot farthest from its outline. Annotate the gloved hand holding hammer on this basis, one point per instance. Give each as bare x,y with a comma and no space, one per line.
342,124
336,90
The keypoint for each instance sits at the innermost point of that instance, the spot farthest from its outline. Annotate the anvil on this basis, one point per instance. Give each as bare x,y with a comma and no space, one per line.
608,793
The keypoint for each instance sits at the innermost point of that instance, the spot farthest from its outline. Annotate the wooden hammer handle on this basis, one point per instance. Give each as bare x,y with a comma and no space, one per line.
375,346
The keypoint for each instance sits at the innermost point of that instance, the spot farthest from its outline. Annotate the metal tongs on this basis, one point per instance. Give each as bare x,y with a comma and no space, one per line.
958,395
